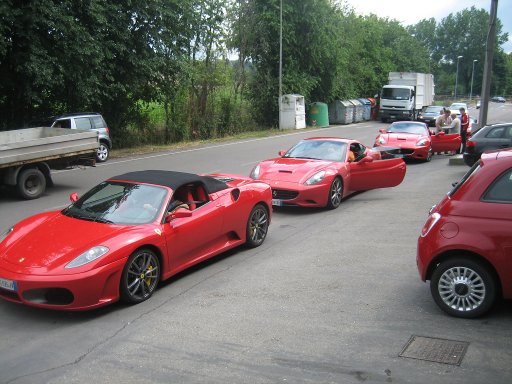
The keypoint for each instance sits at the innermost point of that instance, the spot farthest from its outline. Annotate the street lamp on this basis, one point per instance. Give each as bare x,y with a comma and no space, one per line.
472,75
457,77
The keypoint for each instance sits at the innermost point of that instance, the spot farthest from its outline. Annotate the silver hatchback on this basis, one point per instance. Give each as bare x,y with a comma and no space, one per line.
87,121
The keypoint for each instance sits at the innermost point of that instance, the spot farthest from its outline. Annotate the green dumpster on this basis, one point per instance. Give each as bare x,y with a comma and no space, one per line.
317,115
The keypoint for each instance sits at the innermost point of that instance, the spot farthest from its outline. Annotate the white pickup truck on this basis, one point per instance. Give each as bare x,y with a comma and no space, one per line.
28,155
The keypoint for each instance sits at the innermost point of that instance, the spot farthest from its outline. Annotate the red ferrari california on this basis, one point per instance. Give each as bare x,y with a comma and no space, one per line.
465,246
321,171
413,140
127,234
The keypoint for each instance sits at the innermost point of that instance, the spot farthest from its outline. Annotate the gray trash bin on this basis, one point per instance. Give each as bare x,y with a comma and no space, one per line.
358,110
367,108
341,112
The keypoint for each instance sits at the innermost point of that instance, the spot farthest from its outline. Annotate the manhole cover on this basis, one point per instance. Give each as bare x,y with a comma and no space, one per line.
436,350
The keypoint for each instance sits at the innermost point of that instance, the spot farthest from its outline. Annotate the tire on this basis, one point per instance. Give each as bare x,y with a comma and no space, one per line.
140,277
31,183
335,194
429,155
102,153
463,288
257,226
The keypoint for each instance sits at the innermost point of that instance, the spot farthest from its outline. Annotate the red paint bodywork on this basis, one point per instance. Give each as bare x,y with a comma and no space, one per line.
290,174
408,142
35,253
471,227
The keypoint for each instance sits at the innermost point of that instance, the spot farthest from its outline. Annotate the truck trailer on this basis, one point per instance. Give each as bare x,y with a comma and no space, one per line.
28,155
405,95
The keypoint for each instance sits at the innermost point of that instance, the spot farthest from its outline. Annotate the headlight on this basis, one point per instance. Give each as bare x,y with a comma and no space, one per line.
316,178
381,140
5,234
421,142
255,173
88,256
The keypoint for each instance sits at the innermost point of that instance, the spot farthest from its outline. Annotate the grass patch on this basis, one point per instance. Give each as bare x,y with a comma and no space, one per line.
146,149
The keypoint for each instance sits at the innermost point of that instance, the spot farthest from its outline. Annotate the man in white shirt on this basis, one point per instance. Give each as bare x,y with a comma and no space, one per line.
454,126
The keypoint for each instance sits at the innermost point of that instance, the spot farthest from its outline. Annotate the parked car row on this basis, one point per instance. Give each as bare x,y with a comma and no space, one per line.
131,221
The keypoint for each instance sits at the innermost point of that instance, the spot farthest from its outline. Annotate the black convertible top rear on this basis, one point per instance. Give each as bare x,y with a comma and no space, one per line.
172,179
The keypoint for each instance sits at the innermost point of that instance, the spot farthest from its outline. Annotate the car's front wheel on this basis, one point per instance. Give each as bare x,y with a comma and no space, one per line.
257,226
463,288
335,194
141,275
430,153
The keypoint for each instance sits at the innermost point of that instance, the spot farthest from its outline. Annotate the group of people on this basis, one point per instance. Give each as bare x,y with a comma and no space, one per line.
449,122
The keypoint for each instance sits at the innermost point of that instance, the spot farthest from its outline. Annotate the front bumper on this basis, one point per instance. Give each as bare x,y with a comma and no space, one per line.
295,194
76,292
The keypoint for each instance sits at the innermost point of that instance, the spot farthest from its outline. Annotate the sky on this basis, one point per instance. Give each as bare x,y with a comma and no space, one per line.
409,12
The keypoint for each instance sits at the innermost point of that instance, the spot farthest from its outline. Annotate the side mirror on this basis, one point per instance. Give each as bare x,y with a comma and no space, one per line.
73,197
178,214
382,130
281,153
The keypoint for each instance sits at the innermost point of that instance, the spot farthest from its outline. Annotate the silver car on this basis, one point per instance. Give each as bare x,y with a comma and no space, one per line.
86,121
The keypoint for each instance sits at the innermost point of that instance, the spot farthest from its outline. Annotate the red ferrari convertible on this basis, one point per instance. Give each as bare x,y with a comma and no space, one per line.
321,171
413,140
126,234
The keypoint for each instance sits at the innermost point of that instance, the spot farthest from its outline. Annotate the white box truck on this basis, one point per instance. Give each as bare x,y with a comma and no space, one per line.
405,95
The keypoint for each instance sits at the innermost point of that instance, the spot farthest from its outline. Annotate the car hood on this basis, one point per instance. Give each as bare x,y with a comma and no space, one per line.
51,240
290,169
401,138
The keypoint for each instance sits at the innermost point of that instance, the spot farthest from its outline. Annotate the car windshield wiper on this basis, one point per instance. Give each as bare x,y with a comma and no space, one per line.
306,157
103,220
78,216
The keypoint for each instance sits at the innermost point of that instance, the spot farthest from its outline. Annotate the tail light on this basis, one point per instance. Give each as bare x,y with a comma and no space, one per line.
470,145
108,130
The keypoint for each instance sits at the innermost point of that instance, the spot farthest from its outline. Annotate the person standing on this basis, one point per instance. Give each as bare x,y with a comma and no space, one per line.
455,125
442,120
464,125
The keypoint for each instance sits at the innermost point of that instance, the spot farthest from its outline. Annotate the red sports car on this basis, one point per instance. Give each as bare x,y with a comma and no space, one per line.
465,247
413,140
128,233
321,171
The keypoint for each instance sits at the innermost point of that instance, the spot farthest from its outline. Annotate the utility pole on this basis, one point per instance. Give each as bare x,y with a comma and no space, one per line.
472,76
489,52
280,60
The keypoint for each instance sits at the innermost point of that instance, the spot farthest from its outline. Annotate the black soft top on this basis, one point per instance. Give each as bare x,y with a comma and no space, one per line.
172,179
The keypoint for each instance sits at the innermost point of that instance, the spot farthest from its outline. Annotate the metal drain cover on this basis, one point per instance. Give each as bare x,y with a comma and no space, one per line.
436,350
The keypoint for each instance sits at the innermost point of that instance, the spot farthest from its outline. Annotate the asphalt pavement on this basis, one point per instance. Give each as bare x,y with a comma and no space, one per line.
330,297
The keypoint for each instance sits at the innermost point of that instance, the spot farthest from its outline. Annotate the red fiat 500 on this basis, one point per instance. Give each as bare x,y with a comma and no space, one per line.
465,247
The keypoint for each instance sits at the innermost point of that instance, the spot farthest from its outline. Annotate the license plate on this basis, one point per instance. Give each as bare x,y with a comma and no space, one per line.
277,202
10,285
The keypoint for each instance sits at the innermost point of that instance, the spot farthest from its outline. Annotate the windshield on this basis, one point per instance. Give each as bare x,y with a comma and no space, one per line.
319,149
396,93
119,203
433,109
473,170
412,128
